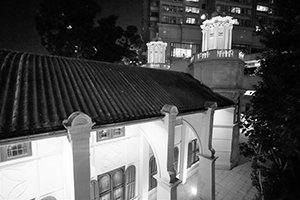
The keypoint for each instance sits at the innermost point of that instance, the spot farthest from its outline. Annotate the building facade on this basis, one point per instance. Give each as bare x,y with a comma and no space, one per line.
78,129
178,23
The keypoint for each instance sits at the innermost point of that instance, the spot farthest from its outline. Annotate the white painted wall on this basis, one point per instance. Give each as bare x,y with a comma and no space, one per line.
223,137
42,174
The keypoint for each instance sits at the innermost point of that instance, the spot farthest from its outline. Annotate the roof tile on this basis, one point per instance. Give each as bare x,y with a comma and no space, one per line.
38,92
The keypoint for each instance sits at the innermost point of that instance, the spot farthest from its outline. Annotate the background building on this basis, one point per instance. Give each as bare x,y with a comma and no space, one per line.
178,23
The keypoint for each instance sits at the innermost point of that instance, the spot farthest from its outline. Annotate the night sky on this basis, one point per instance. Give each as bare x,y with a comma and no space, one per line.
17,26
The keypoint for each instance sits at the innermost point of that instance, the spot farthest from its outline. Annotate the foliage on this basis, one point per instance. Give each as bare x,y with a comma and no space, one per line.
68,28
273,125
120,45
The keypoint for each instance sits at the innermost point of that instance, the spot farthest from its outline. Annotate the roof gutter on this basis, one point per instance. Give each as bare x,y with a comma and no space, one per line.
62,133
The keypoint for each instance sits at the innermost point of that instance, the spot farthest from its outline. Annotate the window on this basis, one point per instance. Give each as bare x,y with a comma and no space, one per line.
175,163
190,9
94,190
130,182
111,185
193,150
236,10
153,14
184,50
262,8
110,133
172,8
14,151
152,172
191,20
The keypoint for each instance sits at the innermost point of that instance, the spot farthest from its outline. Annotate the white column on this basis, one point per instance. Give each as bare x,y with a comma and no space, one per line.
206,170
230,36
226,36
206,178
79,126
216,27
183,153
144,168
167,186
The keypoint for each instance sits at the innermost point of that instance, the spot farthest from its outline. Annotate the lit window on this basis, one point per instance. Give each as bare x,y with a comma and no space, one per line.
172,8
152,172
14,151
191,20
262,8
236,10
110,133
193,150
190,9
183,50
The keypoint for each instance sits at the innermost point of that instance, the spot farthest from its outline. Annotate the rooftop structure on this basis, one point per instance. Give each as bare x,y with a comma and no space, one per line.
38,92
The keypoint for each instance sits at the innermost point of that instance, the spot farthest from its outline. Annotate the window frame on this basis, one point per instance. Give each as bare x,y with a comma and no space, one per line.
193,150
111,133
182,50
176,159
130,176
113,187
4,154
152,172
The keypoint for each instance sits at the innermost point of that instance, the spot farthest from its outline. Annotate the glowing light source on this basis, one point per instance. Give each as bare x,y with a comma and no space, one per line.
249,92
194,190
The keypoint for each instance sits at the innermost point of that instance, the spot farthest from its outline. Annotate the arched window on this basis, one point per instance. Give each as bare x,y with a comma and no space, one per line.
152,172
94,190
193,149
111,185
175,163
130,182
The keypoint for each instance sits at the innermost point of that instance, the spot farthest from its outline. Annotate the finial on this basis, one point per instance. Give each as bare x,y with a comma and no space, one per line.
157,38
218,12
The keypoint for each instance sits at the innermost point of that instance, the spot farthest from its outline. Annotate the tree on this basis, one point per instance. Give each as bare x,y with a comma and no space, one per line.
273,125
113,44
106,36
66,26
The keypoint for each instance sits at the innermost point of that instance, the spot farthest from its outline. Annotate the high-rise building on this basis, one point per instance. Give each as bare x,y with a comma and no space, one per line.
178,23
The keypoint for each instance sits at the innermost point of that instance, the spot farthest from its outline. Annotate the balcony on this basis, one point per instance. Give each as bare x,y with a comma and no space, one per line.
218,54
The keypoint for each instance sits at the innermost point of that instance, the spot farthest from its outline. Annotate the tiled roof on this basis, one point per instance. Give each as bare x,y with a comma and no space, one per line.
37,92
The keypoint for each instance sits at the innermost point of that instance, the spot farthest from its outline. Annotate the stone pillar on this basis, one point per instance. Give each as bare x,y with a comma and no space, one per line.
167,191
206,178
215,43
230,36
79,126
144,168
167,186
206,170
183,153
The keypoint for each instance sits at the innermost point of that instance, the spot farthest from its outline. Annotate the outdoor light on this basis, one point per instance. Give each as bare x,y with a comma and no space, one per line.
194,190
249,92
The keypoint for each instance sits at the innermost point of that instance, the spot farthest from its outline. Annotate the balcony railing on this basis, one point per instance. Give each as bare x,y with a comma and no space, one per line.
218,54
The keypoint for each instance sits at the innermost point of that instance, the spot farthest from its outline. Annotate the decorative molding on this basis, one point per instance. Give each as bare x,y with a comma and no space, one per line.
17,180
76,119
